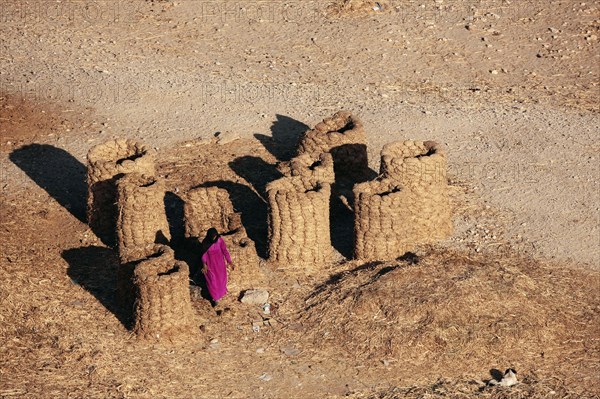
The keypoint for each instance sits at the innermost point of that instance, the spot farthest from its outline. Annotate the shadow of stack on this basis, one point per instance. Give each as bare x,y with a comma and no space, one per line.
187,249
285,133
95,269
253,211
56,171
256,171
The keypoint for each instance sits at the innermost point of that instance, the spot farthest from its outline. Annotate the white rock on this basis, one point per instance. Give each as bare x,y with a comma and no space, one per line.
255,297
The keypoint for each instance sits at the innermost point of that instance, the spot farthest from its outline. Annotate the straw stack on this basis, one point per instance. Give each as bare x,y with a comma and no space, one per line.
106,163
299,235
141,220
163,308
344,137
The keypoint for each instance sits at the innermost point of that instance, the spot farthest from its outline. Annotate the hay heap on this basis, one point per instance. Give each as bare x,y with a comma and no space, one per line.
407,205
299,235
207,207
163,308
454,311
141,220
344,137
107,162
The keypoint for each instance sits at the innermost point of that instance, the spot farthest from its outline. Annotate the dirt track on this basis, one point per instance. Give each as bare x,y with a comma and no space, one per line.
511,90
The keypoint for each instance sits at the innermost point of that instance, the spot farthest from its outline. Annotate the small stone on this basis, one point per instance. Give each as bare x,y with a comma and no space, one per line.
260,350
255,297
227,137
290,350
385,362
266,377
494,72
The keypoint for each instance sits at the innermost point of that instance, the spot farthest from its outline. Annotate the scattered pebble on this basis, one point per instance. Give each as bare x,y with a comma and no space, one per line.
290,350
255,297
227,137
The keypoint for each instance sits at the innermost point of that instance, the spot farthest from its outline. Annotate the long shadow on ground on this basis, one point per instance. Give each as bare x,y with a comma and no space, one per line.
253,210
256,171
57,172
95,269
285,134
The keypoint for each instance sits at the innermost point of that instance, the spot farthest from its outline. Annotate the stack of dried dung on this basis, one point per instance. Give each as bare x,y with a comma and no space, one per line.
420,168
344,137
299,235
141,220
107,162
314,167
207,207
163,308
406,206
382,224
243,253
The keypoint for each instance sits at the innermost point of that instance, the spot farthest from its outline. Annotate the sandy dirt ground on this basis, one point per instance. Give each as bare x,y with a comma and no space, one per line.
510,88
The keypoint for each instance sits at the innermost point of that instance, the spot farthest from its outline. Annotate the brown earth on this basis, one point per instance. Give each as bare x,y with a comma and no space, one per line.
511,90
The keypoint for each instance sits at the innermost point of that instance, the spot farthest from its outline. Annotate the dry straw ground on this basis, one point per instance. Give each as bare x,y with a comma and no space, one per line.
374,330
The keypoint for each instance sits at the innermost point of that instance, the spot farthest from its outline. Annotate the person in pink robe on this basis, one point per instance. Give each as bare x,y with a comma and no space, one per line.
214,255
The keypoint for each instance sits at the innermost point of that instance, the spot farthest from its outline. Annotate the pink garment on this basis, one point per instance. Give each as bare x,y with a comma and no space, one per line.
216,274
